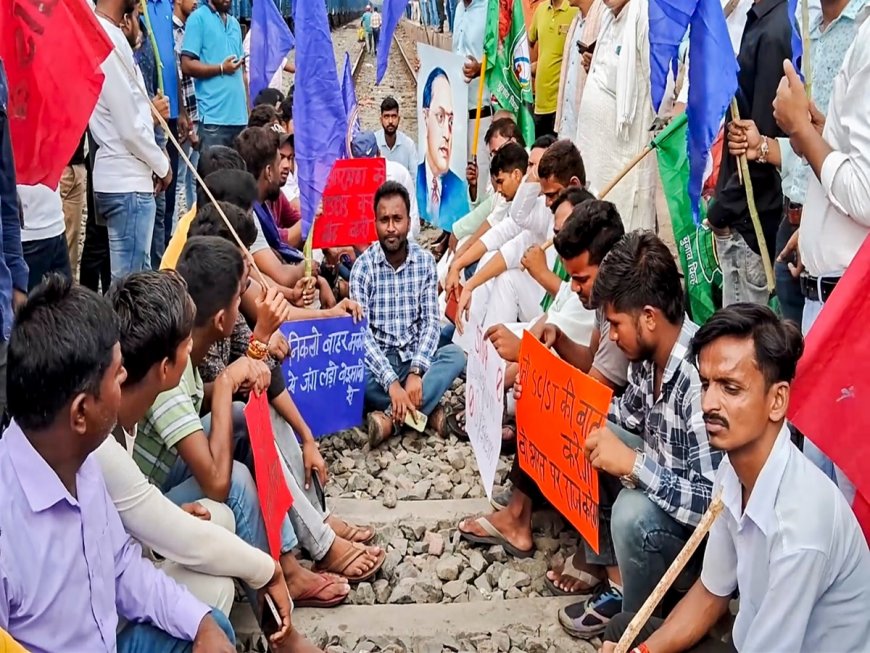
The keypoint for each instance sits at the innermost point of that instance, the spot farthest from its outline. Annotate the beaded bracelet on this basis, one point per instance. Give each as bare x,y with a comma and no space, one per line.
257,350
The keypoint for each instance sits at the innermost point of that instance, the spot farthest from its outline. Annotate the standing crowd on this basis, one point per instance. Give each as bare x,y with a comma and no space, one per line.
130,506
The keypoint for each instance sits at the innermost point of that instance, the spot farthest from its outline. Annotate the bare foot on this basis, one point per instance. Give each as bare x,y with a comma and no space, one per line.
301,580
369,559
515,531
295,643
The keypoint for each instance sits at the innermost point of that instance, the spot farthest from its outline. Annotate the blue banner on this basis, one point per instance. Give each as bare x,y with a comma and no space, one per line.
325,372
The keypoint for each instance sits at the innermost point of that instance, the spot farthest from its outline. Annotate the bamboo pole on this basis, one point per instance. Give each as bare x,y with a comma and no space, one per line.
646,610
143,9
192,168
479,108
640,156
743,165
806,59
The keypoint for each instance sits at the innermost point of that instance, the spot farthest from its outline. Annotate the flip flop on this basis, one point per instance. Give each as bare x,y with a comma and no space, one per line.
573,572
495,537
309,599
456,424
352,532
353,553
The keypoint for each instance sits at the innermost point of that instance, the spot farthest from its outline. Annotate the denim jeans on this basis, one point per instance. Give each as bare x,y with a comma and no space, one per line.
450,5
186,178
130,222
788,287
181,487
447,364
743,278
145,638
158,245
211,135
45,257
637,535
430,12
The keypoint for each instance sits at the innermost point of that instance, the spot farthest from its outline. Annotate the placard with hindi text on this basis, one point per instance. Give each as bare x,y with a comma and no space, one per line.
559,407
348,216
325,371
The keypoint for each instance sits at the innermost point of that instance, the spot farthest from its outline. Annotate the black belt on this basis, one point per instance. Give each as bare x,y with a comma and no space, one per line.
811,287
485,112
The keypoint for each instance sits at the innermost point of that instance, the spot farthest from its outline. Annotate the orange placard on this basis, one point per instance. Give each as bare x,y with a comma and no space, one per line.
559,407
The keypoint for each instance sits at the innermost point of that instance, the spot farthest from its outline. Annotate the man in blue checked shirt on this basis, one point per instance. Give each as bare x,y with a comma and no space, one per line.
656,465
396,284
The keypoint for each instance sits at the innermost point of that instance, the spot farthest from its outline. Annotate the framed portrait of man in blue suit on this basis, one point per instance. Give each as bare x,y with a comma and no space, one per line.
442,192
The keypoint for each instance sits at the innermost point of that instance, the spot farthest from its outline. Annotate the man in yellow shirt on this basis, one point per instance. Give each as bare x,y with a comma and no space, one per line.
548,29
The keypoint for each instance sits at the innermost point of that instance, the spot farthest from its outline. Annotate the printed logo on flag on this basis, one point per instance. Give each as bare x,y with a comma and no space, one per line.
522,60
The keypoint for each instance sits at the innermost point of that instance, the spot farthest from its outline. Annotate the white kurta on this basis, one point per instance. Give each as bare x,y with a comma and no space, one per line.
607,150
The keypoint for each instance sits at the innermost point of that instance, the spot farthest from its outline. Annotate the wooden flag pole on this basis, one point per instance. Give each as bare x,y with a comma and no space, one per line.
806,59
642,616
743,166
479,108
192,169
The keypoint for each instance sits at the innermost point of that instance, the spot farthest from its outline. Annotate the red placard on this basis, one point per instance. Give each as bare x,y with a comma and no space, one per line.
275,497
559,407
348,203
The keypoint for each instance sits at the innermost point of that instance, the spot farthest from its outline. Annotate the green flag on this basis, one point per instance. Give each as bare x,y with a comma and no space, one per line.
508,64
694,242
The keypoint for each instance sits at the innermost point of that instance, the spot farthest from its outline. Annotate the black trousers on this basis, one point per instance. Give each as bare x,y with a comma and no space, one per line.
619,624
95,271
545,123
44,257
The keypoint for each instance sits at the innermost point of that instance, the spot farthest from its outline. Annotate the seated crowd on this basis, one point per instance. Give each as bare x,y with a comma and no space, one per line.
139,546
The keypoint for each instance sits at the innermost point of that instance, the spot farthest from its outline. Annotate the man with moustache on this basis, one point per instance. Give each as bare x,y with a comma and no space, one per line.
396,284
787,538
655,442
442,196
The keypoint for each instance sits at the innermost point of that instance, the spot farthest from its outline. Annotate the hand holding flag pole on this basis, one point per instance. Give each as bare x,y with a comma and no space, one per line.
806,60
743,167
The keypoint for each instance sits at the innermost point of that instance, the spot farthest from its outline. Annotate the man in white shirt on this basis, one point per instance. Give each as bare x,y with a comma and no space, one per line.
786,539
129,166
42,233
395,145
836,212
469,28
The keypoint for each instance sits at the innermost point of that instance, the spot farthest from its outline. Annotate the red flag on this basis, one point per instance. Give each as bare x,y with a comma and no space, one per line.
275,497
52,50
830,399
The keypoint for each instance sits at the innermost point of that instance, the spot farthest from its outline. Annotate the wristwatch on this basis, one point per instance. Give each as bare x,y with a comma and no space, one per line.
630,481
416,371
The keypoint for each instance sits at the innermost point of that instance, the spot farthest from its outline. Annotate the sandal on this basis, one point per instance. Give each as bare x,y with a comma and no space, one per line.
570,570
494,537
354,533
353,553
456,424
309,599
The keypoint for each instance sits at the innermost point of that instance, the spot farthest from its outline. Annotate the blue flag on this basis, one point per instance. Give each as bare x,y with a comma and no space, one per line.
318,108
271,40
712,73
391,12
351,107
797,45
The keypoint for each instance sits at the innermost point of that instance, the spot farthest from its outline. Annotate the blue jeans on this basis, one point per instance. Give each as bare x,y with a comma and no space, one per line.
211,135
450,6
145,638
430,12
788,287
182,487
637,535
130,222
186,178
447,364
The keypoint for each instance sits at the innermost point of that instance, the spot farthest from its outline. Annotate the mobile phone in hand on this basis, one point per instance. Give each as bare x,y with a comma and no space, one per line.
416,420
270,620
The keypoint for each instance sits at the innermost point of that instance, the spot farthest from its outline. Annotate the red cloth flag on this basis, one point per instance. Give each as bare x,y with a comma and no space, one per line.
830,398
275,497
52,51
